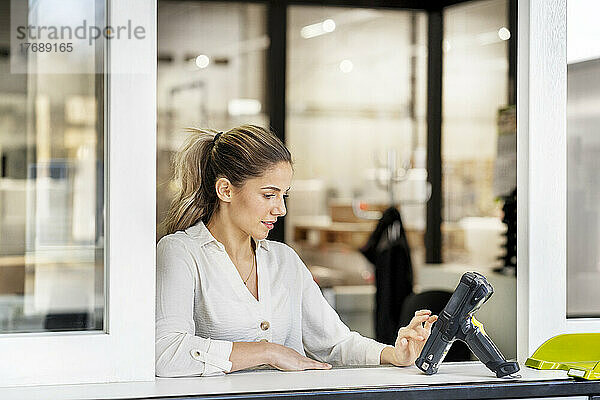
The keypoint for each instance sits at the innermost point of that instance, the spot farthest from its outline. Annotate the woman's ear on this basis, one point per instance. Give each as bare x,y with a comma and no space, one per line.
223,188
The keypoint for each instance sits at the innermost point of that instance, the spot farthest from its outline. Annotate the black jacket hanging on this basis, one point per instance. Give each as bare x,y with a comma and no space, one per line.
387,248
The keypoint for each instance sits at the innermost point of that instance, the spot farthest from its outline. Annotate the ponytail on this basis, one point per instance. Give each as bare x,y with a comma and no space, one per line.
192,201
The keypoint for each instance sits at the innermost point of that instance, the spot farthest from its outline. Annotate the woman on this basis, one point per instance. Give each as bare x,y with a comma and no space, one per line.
227,298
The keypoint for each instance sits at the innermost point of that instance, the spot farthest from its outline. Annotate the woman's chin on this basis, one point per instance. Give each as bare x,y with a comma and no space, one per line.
262,235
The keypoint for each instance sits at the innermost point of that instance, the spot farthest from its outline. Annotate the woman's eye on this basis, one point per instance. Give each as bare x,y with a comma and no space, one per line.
269,196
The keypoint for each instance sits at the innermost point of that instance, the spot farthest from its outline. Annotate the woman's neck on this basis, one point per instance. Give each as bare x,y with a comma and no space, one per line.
238,244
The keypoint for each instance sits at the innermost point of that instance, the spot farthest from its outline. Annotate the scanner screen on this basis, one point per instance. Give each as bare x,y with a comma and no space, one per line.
454,302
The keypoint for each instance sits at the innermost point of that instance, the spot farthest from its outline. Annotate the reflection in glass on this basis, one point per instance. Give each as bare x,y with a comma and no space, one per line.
52,182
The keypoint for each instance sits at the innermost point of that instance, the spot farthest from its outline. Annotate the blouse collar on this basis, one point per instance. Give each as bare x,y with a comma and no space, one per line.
200,232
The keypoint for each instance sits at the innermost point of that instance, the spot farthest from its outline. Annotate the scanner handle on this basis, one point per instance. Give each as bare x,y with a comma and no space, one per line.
479,342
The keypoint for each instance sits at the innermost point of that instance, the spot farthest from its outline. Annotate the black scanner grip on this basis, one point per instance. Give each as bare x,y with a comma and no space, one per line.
487,352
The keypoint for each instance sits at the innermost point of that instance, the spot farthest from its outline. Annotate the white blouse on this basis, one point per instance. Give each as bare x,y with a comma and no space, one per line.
203,306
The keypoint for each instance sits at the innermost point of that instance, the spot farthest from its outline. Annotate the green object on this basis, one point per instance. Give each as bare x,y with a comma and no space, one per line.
576,353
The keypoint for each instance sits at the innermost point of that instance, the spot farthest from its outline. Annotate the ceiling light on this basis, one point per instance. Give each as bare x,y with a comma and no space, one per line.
202,61
318,29
346,66
503,33
328,25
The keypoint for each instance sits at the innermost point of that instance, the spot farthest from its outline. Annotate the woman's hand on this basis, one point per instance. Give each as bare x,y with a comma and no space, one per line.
410,341
286,359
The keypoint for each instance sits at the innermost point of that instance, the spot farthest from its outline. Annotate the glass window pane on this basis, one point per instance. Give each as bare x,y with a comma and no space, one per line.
211,74
475,93
583,159
52,169
356,96
479,163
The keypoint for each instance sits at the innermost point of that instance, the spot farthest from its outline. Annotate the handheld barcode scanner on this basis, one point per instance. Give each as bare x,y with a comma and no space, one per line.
456,322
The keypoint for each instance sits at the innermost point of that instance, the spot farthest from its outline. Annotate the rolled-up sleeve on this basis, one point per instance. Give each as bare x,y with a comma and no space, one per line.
178,351
325,337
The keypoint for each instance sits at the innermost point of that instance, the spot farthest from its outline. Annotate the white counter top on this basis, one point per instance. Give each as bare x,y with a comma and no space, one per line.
274,381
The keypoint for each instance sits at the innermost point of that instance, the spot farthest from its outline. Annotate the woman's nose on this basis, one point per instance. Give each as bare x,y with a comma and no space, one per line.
279,209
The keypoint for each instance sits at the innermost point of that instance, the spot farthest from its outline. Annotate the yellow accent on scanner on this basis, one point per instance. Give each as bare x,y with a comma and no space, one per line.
478,324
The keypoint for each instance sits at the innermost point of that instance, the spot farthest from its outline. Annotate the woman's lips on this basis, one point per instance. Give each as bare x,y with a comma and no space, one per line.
269,225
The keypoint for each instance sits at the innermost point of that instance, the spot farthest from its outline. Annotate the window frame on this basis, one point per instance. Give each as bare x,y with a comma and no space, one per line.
542,178
124,351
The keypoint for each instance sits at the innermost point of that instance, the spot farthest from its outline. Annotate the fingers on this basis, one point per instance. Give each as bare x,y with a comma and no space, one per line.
309,363
422,312
422,316
288,359
418,320
430,322
422,331
419,327
317,365
410,333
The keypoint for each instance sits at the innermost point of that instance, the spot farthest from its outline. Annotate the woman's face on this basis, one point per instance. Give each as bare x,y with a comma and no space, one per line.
256,205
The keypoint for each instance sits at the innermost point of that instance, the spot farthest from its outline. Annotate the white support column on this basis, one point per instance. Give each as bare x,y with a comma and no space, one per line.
542,178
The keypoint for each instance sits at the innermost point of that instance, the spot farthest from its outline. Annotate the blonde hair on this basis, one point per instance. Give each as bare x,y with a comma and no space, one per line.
244,152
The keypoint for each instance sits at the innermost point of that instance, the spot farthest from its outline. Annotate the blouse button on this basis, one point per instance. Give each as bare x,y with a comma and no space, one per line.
264,325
